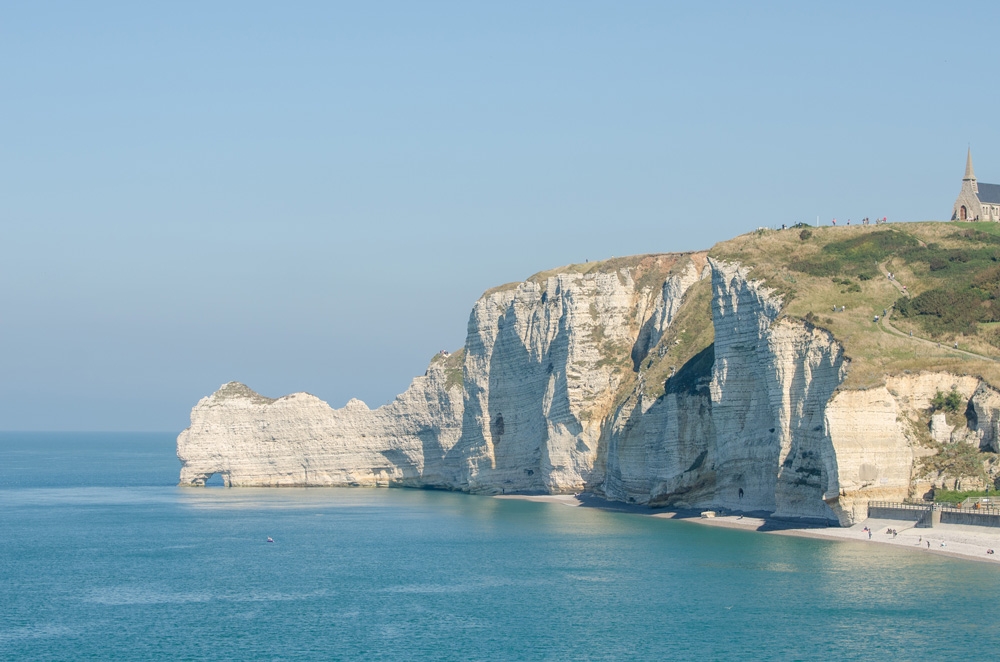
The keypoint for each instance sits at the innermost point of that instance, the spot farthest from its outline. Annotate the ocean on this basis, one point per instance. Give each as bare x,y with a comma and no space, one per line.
102,557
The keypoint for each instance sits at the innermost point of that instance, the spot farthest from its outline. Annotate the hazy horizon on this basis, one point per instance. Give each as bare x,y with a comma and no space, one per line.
311,198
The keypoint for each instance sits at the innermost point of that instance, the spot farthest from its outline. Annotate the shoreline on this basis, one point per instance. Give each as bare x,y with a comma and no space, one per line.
959,541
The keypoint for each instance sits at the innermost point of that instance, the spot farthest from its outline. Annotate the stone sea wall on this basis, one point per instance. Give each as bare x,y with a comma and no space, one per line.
550,395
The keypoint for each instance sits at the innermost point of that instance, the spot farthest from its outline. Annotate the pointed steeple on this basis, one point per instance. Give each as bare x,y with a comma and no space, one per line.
970,174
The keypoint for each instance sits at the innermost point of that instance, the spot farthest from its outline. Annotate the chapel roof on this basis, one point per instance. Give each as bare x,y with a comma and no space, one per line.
989,193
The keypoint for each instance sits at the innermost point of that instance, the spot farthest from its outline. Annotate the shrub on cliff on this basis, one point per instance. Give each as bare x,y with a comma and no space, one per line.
950,311
857,255
950,402
956,460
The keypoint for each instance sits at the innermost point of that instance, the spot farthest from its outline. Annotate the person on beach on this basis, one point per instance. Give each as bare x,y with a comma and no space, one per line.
869,534
928,544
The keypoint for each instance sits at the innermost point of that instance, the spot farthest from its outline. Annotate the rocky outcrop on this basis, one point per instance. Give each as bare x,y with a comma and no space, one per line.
984,417
299,440
620,379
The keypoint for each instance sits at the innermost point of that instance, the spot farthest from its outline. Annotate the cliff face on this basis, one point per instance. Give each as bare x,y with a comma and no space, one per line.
542,365
545,362
670,380
298,440
742,426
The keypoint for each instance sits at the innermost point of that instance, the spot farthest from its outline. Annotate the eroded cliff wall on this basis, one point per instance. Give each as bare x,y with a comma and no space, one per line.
670,380
299,440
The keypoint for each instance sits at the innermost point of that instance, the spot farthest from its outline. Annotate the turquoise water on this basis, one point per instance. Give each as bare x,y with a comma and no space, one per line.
103,558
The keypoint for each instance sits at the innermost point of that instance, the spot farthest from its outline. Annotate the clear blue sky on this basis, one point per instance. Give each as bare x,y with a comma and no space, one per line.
311,196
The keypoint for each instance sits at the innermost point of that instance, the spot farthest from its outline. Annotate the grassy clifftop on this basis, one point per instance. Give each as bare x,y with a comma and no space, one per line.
945,290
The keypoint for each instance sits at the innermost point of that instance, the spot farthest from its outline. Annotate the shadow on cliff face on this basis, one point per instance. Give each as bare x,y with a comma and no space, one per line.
676,429
694,376
515,414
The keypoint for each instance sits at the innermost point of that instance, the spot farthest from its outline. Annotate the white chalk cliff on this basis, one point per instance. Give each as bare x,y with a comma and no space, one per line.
553,393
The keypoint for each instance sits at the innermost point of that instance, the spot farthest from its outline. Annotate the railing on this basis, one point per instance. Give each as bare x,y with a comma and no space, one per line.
896,505
983,501
959,508
943,507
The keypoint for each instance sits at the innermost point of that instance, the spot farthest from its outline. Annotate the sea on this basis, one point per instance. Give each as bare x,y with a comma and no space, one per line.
102,557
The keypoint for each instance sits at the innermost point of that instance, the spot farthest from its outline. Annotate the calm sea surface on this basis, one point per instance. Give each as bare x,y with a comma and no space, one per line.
101,557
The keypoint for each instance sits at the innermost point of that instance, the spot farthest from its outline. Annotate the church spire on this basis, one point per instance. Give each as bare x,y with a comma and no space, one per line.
969,172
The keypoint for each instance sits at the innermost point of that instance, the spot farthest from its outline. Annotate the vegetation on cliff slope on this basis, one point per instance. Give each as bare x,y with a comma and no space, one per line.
945,290
688,337
452,363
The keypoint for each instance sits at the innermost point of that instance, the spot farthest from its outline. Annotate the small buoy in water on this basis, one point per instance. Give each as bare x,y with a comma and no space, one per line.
270,539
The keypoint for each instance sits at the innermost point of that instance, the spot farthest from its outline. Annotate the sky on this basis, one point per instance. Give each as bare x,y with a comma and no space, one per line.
310,196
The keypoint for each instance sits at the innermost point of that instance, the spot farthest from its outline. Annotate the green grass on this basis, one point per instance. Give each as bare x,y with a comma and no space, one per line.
951,496
857,255
453,368
971,270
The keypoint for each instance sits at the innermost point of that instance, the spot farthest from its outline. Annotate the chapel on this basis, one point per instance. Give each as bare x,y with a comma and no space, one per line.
976,202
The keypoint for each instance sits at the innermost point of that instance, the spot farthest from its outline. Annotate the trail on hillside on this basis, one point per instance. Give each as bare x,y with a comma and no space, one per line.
887,327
